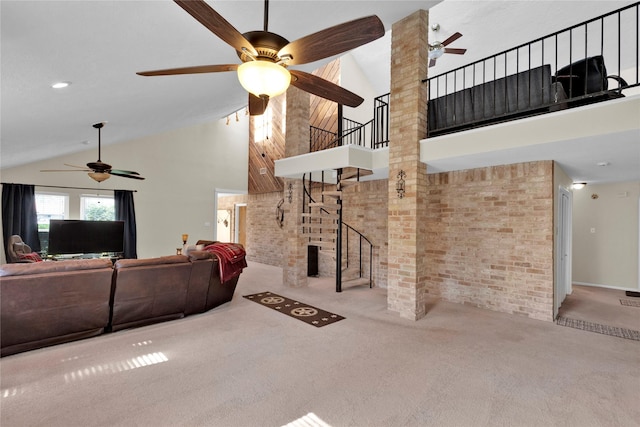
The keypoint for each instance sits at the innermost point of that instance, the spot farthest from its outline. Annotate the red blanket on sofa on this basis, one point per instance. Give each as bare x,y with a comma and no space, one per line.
231,257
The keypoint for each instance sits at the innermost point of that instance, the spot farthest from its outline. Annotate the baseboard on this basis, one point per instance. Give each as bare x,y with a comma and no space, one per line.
596,285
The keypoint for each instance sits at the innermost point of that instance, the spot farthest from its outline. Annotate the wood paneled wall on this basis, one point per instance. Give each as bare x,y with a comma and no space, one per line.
263,152
324,114
266,147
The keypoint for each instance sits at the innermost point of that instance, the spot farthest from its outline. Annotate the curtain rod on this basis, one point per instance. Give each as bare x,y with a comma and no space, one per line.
72,188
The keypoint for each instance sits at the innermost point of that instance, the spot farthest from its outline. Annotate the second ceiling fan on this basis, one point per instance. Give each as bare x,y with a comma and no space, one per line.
266,56
437,48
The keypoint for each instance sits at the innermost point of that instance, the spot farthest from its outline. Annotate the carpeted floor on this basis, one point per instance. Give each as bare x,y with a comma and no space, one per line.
601,306
242,365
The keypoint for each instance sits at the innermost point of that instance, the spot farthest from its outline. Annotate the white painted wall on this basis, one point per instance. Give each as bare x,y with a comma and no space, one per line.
352,78
608,256
182,169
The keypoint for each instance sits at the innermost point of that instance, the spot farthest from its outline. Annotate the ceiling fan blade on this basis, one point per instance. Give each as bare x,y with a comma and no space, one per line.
334,40
84,168
257,105
125,174
120,171
455,51
324,88
432,62
215,23
64,170
190,70
451,39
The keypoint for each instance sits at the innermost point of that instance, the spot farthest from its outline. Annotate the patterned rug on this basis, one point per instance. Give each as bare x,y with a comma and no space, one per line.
298,310
630,302
629,334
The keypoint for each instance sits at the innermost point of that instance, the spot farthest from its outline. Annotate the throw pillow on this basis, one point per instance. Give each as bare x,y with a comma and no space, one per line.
33,256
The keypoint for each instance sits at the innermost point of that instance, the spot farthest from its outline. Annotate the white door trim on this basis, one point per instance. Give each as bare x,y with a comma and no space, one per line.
563,249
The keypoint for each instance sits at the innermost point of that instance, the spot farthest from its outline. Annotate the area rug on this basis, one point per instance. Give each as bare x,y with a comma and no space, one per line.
629,334
298,310
630,302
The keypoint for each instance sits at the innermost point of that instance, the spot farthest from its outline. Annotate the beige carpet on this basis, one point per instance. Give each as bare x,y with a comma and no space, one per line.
602,306
244,365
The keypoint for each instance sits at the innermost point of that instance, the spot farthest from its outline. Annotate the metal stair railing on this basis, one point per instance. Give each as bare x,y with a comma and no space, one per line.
308,198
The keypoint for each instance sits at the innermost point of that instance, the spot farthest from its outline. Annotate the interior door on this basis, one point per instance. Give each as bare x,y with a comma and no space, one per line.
563,282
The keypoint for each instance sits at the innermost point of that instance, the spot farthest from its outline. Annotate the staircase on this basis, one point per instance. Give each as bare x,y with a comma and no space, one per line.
322,220
323,226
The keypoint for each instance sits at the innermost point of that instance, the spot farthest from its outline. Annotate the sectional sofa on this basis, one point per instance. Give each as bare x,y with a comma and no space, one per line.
48,303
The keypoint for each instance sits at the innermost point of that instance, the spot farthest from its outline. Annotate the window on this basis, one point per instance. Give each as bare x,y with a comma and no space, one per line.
97,208
49,206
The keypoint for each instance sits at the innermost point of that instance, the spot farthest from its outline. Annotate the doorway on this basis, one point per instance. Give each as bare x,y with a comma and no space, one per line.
230,208
563,249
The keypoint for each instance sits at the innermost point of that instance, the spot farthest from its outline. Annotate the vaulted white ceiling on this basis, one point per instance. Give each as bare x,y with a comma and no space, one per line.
99,45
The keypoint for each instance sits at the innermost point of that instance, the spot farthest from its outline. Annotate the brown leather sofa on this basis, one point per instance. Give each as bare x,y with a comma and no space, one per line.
207,283
47,303
149,290
204,271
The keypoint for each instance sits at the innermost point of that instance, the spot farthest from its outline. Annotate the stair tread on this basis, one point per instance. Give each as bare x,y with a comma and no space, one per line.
352,172
328,227
332,193
327,236
332,206
320,215
324,245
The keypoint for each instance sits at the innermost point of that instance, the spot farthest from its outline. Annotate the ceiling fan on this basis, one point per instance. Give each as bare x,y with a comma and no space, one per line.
437,49
266,56
98,170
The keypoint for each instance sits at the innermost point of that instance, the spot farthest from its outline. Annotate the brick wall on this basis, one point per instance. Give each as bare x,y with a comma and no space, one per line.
265,239
364,207
406,292
490,238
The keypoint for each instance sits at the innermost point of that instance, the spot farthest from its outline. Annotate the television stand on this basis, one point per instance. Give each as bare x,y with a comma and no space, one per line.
62,257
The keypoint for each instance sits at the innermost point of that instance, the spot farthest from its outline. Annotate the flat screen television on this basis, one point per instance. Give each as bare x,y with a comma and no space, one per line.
85,237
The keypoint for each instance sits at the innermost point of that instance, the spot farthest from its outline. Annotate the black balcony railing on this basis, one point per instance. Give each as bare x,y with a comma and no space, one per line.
590,62
372,134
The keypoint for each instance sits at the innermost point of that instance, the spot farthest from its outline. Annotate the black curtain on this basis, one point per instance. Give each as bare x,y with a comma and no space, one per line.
125,211
19,215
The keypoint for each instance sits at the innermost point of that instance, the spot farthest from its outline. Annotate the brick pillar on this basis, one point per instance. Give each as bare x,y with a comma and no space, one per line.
406,293
294,270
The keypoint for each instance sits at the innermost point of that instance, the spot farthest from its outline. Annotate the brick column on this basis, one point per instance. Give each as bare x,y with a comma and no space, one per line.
406,293
294,269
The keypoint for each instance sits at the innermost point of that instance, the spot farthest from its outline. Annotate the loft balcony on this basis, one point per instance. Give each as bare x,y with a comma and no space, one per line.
591,62
572,92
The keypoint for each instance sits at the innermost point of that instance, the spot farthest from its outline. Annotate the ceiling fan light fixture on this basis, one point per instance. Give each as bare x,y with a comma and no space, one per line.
436,50
99,176
578,185
264,78
60,85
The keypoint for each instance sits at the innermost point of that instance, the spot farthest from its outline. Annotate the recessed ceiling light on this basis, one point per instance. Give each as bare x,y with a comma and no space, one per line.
602,163
60,85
